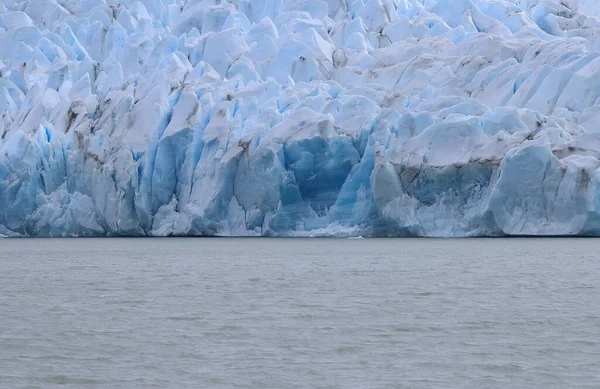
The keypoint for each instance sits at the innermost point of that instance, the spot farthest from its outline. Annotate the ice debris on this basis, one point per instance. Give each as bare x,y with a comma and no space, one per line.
299,117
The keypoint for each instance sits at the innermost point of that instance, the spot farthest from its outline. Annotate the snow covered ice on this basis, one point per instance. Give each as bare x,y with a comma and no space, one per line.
299,117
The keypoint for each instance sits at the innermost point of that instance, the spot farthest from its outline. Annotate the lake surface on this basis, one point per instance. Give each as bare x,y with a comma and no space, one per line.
301,313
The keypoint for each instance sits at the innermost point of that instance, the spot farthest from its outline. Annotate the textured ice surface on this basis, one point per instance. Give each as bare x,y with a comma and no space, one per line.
299,117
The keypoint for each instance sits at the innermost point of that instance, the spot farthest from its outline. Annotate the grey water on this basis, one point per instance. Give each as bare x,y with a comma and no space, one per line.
299,313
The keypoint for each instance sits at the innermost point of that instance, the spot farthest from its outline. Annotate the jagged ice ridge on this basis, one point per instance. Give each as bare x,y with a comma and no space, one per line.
299,117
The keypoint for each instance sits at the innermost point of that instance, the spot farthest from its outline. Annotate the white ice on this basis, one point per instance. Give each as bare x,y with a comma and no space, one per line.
299,117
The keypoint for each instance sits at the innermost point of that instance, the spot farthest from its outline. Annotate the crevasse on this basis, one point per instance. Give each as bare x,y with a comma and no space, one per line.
300,117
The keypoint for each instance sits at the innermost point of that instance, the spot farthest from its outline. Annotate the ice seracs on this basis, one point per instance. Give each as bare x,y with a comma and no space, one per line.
299,117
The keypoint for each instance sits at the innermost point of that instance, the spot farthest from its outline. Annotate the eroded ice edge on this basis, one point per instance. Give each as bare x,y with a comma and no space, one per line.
299,117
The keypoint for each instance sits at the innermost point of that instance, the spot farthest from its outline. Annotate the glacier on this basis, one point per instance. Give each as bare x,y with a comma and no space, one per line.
447,118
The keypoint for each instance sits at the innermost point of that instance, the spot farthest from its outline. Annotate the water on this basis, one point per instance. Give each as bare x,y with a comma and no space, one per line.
323,313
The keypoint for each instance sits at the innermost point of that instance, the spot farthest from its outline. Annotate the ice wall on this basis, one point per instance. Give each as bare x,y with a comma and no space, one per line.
299,117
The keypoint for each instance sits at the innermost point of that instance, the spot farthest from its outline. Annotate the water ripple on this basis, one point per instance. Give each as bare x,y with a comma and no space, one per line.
278,313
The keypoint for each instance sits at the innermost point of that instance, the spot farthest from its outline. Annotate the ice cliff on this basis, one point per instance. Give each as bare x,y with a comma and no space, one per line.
299,117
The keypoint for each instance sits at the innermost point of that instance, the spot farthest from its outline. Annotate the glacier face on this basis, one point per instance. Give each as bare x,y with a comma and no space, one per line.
299,117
